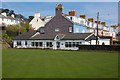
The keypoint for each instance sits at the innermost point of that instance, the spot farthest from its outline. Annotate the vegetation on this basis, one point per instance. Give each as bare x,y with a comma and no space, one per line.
36,63
30,18
6,38
14,30
116,42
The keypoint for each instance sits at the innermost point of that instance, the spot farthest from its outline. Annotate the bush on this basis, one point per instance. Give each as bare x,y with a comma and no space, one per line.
7,38
116,42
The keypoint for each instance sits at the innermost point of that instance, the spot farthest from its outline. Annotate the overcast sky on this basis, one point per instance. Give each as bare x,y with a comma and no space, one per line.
108,10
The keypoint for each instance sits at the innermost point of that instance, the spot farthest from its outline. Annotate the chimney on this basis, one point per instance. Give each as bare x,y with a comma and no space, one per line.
4,14
83,16
37,14
103,23
72,13
58,9
91,19
98,22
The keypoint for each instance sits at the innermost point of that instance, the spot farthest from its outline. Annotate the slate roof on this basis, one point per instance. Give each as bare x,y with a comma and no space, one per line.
43,37
74,36
25,36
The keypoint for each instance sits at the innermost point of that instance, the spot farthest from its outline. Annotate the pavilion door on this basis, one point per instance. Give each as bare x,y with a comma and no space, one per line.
58,45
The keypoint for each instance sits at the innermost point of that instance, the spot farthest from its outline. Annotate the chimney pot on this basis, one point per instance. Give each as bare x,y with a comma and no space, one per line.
83,16
91,19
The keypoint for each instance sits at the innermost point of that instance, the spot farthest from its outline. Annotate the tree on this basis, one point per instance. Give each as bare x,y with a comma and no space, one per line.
11,12
30,18
6,10
12,28
6,38
25,25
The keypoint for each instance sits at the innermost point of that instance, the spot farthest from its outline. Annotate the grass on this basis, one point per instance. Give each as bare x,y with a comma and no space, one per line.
36,63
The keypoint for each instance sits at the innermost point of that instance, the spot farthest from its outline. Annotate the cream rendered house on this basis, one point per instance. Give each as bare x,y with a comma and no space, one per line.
36,22
39,21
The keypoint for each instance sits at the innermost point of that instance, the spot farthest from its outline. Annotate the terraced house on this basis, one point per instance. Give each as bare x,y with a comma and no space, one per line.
63,31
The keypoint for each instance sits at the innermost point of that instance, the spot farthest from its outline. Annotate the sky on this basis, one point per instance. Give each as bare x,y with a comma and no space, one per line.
108,10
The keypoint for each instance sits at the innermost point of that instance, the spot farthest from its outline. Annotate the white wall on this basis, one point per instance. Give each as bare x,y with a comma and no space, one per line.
8,21
77,19
62,44
106,41
36,23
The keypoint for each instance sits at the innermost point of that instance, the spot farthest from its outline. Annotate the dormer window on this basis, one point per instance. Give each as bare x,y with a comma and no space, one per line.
41,30
57,30
57,37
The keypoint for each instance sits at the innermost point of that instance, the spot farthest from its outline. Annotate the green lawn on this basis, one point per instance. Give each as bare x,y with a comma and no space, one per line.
36,63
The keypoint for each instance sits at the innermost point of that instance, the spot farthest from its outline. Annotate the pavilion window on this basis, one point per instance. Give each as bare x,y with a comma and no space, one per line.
49,44
25,42
32,43
40,44
66,44
36,44
19,43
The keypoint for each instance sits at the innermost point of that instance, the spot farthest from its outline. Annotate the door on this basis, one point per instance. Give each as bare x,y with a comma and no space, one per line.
58,45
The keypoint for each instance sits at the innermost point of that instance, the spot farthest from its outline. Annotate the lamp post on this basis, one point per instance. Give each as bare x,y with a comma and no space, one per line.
97,29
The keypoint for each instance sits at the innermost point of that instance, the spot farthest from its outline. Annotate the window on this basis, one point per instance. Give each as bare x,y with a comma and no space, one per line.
12,20
57,37
32,43
36,44
25,42
66,44
77,30
2,19
37,20
42,30
74,44
81,22
70,18
40,44
57,30
19,43
80,42
70,29
88,23
49,44
70,44
92,25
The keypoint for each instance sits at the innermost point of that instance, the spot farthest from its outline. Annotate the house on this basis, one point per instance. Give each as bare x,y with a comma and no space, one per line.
83,25
8,20
39,21
34,39
58,33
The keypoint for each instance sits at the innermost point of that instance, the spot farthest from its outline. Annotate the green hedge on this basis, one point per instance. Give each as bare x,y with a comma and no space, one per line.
116,42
